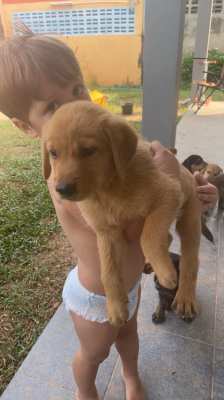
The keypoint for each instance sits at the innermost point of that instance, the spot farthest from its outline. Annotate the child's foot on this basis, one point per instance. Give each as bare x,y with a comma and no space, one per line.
78,396
133,388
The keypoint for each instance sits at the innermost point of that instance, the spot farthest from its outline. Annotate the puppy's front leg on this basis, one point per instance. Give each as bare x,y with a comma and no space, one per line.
155,240
111,245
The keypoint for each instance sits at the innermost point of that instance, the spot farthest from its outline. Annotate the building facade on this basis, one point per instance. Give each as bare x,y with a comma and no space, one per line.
217,26
104,34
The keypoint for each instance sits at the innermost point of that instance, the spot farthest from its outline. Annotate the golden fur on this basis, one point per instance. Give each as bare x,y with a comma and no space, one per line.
212,170
99,161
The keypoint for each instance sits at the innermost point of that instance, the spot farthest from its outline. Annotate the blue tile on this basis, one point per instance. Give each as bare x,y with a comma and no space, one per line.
218,391
219,366
49,364
219,331
202,328
171,368
29,388
219,375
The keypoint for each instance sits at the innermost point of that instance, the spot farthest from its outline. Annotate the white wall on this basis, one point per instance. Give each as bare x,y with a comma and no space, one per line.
217,33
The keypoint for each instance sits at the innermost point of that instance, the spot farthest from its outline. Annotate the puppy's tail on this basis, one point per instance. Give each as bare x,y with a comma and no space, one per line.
206,232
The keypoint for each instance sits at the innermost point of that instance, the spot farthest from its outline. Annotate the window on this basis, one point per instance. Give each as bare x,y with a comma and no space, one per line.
192,6
217,6
99,21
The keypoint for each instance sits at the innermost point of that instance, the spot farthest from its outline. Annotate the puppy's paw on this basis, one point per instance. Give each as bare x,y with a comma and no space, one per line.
185,305
168,278
147,269
158,318
117,312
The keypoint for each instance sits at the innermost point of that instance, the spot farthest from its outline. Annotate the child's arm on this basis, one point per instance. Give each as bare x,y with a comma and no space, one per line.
207,193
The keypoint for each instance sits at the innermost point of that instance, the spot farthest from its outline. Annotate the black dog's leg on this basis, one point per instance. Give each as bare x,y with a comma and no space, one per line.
159,316
166,296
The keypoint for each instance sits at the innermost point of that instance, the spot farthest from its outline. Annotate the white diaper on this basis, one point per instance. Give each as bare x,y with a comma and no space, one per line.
89,305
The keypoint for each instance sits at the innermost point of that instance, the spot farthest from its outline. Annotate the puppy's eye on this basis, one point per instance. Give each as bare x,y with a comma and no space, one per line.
51,107
78,90
53,153
87,151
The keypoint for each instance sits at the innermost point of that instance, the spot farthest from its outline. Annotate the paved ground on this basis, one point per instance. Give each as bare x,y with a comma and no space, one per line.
178,361
202,134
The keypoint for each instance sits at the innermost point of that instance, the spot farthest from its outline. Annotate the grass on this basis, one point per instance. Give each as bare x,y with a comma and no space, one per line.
24,201
30,282
186,91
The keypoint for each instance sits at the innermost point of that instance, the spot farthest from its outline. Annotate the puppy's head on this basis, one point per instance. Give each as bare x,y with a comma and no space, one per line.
194,163
86,147
212,170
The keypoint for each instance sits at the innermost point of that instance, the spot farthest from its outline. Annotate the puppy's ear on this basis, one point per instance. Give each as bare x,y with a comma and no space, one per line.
46,166
220,170
123,142
173,150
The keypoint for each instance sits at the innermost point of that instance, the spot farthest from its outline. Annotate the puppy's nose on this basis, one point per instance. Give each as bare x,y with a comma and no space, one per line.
66,189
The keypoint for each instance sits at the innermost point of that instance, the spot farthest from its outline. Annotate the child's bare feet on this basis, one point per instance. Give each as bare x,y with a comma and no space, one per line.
78,396
133,388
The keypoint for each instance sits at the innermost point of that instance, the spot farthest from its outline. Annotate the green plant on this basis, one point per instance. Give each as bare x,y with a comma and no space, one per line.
214,70
186,70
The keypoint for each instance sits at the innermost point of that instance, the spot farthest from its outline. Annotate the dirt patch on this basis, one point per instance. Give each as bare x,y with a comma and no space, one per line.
58,251
19,151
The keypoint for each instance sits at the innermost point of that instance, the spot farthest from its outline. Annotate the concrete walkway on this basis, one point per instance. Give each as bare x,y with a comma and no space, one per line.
202,134
178,361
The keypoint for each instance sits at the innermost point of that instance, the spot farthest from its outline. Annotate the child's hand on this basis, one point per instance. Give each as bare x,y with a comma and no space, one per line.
164,159
207,193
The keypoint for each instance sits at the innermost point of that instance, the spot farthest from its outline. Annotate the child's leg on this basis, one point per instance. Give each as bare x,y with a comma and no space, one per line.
95,342
128,347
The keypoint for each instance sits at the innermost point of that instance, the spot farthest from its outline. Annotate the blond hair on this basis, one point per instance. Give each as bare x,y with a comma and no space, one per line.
24,62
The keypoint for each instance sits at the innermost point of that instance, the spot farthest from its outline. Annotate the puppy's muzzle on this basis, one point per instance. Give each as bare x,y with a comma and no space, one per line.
66,189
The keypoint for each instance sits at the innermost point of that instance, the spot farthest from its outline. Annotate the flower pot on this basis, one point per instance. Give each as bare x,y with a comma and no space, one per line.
127,108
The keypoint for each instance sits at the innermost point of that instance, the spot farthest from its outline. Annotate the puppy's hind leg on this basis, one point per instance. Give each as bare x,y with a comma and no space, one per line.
189,229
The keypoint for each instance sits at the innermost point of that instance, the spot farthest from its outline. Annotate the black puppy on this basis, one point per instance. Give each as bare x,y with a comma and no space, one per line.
194,163
166,296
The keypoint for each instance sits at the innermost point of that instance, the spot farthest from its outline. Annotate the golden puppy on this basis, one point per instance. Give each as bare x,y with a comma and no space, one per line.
218,181
212,170
98,160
